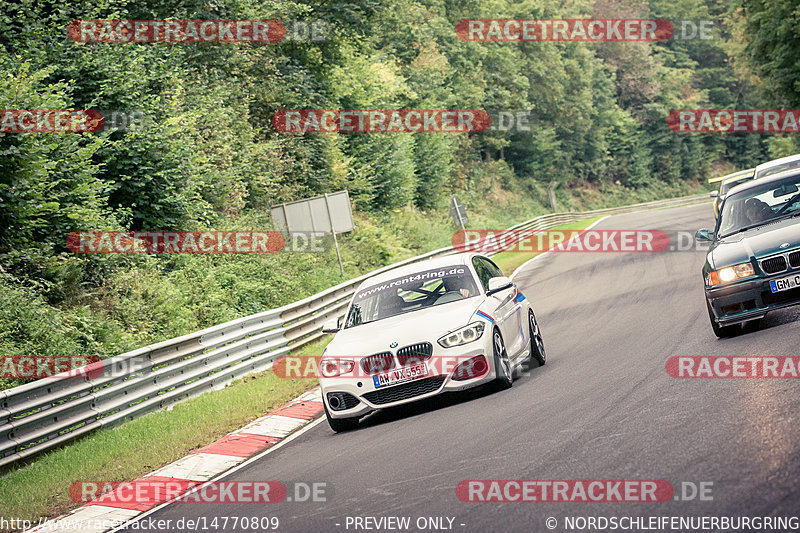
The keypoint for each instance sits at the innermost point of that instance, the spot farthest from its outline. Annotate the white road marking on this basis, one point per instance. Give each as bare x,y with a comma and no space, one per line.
529,261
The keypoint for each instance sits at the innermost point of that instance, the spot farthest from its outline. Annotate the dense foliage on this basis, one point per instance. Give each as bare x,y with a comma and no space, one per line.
208,157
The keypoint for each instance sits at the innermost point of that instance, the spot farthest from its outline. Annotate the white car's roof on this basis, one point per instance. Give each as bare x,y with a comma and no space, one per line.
776,162
753,184
428,264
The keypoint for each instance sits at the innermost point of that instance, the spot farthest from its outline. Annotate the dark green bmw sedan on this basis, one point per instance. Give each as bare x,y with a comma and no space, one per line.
753,263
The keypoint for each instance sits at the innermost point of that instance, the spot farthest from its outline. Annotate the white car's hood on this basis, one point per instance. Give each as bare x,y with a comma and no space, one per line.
409,328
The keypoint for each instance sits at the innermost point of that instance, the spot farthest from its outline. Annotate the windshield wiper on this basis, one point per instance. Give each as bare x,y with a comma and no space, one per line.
745,228
784,217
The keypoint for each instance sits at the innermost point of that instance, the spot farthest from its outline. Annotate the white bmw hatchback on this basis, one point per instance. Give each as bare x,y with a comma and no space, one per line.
442,325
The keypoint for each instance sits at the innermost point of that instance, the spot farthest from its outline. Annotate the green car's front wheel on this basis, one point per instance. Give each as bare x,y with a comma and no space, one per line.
721,331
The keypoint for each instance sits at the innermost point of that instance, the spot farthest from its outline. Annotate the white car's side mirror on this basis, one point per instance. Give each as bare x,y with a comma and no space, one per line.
714,194
332,326
498,284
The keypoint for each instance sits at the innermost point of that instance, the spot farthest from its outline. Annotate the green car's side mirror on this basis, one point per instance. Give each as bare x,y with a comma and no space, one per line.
704,235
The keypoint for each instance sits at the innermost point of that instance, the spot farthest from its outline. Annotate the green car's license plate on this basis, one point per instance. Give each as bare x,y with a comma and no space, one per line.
784,284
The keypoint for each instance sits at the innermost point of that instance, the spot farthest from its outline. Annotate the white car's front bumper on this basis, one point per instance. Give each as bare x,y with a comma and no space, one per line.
441,366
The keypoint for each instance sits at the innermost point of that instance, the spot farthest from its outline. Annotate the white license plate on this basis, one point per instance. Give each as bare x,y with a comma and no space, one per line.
400,375
784,284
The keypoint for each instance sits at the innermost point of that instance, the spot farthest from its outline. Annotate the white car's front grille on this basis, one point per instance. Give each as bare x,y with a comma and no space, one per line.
385,361
414,353
380,362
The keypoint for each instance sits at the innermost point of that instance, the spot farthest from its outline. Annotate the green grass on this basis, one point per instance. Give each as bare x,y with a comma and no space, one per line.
510,261
145,444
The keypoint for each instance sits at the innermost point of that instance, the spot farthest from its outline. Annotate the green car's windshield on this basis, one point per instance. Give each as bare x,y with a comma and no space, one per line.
760,205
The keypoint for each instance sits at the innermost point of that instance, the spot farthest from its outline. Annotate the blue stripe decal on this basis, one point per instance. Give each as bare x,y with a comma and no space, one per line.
519,297
484,315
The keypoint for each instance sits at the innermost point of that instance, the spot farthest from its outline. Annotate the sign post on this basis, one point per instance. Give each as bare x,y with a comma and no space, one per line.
459,213
315,217
333,232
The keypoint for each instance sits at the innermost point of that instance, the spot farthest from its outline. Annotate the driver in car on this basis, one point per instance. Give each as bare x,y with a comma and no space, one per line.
757,211
453,284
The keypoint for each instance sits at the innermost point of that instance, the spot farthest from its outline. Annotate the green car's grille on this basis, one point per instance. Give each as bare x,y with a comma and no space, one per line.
774,264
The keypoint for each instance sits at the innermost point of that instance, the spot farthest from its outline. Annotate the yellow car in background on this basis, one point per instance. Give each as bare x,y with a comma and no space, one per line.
726,183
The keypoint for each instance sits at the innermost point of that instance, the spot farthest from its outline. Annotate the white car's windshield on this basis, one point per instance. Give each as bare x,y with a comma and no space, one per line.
728,185
783,167
411,293
760,205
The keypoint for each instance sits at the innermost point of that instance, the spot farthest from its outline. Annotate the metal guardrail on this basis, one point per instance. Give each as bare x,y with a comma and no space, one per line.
49,412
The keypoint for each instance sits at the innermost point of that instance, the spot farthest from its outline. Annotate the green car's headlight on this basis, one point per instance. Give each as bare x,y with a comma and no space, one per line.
731,273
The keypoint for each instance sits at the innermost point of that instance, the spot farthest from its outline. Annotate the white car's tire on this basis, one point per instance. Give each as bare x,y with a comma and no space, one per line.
502,364
537,344
340,424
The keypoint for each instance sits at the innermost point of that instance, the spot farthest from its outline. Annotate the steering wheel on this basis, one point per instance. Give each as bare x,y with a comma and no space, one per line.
449,296
793,200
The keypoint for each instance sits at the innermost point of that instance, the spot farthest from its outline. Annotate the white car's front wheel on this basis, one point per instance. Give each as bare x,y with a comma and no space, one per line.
340,424
537,344
502,364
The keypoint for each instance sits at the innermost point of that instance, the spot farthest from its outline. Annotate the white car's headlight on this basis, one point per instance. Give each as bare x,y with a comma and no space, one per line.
464,335
330,368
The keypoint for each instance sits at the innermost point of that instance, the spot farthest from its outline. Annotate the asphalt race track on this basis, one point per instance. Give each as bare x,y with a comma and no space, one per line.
602,408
